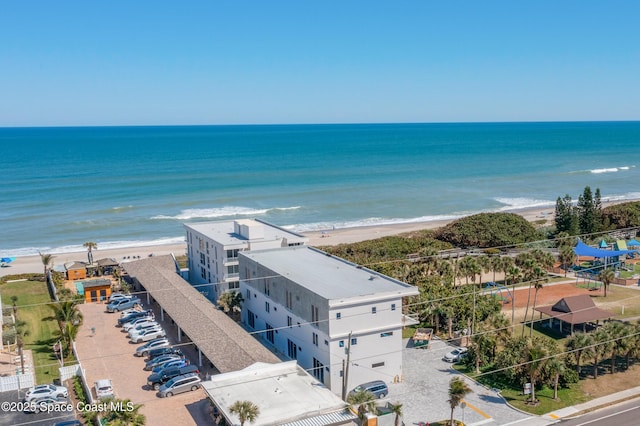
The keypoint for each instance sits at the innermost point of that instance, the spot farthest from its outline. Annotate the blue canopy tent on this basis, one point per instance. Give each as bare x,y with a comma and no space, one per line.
633,243
603,244
581,249
6,260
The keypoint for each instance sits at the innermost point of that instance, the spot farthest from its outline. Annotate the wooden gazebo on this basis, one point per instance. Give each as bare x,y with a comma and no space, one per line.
575,310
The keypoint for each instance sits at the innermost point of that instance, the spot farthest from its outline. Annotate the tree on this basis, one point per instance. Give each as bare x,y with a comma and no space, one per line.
231,302
124,413
616,330
47,262
601,347
536,361
21,332
90,246
555,368
66,312
579,345
566,219
397,410
364,401
458,389
245,410
606,276
567,258
589,212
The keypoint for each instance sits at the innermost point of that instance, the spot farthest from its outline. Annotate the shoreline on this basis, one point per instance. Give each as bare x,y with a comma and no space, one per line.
33,264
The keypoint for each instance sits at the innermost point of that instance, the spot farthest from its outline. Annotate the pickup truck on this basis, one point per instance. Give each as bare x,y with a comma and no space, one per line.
122,304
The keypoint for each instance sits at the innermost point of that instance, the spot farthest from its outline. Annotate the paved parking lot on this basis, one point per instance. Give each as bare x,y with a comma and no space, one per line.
109,355
8,416
424,391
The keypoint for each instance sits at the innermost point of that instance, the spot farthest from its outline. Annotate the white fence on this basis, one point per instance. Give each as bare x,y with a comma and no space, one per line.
19,381
69,371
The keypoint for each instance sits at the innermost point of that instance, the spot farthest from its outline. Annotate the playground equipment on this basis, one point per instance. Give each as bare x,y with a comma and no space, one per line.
498,290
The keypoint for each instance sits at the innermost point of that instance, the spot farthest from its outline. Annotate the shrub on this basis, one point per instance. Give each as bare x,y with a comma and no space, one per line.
625,215
569,377
488,230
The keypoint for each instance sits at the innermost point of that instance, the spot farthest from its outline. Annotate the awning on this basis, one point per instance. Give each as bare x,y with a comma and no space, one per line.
581,249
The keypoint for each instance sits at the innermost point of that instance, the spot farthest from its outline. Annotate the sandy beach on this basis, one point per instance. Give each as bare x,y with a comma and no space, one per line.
28,264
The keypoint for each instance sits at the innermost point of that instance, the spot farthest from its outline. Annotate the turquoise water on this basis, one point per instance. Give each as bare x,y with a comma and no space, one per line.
128,186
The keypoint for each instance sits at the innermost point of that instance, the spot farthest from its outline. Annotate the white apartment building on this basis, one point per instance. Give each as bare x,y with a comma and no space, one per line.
213,247
315,308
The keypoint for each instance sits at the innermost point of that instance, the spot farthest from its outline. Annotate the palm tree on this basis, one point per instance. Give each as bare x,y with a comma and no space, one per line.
397,410
231,302
601,348
458,389
90,246
538,284
556,368
536,360
365,402
125,413
66,311
245,410
47,262
567,257
606,276
580,344
616,330
21,333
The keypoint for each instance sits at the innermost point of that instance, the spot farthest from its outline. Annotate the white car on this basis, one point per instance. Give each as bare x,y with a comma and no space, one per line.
148,335
104,389
42,391
47,404
141,329
455,355
139,322
144,350
115,296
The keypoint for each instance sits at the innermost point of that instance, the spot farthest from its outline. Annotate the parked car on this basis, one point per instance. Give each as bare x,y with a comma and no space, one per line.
138,331
179,384
148,335
144,325
455,355
69,423
122,304
138,321
46,404
115,296
377,387
133,315
104,389
168,364
153,345
154,353
42,391
130,311
156,380
150,365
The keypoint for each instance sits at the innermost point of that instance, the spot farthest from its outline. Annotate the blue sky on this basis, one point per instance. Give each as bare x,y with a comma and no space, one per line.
235,62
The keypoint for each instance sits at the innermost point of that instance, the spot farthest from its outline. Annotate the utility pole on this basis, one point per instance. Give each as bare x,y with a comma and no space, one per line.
345,370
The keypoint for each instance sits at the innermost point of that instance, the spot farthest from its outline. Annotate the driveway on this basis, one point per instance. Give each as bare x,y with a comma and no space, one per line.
109,355
10,416
425,386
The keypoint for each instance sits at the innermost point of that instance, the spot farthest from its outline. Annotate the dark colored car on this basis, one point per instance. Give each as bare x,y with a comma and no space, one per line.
160,378
154,353
134,315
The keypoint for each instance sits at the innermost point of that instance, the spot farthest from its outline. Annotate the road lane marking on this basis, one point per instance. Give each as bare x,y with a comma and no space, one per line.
477,410
606,417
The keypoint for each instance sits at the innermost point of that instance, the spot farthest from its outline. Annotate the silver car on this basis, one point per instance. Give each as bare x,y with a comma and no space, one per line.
185,383
148,335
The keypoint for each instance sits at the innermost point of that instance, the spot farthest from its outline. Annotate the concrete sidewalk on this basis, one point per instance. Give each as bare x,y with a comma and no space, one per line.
568,412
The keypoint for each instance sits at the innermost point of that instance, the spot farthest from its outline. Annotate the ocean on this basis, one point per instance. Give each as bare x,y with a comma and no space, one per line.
134,186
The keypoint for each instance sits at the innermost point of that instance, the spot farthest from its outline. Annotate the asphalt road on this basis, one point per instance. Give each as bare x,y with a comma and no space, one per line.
9,416
626,414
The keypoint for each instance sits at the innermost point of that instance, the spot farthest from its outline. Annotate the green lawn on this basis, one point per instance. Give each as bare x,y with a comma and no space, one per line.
32,308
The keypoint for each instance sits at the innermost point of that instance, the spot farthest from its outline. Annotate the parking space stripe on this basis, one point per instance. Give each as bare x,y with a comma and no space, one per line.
477,410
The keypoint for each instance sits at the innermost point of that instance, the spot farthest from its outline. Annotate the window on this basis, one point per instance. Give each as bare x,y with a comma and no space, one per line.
248,294
354,341
233,270
234,285
269,332
314,315
289,299
326,342
387,334
266,287
318,370
202,258
289,322
374,310
393,306
251,319
315,339
232,254
292,349
267,307
341,343
377,364
338,315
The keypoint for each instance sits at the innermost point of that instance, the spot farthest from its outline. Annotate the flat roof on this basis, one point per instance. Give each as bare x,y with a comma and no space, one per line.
328,276
227,345
284,393
224,231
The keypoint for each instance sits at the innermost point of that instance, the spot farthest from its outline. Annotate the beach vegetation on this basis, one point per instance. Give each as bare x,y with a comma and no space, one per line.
486,230
621,216
47,262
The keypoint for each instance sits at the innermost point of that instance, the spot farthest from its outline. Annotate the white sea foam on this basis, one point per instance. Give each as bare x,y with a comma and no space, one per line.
610,169
107,245
522,203
372,221
227,211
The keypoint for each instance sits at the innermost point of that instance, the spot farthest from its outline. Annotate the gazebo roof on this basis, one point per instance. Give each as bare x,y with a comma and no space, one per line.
575,310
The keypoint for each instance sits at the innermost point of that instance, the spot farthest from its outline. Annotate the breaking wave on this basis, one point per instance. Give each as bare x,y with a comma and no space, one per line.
227,211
